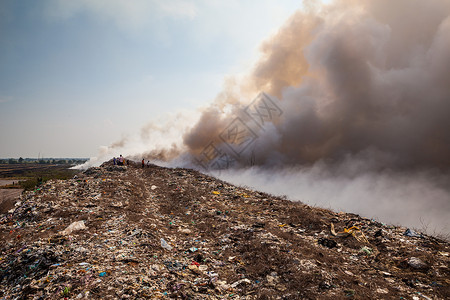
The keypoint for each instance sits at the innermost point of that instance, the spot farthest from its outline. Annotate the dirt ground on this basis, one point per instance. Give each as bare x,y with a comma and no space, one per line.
4,182
8,198
131,233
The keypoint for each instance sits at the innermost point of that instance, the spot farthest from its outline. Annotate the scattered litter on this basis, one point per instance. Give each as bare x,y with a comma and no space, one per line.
185,230
416,263
348,273
378,233
172,241
349,293
412,233
194,269
75,226
165,245
422,296
327,243
353,231
239,282
366,250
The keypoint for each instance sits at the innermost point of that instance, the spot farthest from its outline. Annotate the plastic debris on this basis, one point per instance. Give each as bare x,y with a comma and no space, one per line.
75,226
327,242
412,233
416,263
239,282
229,248
366,250
349,293
382,291
353,231
185,230
165,245
421,296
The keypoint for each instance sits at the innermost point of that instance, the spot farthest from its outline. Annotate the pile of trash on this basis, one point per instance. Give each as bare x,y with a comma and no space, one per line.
130,232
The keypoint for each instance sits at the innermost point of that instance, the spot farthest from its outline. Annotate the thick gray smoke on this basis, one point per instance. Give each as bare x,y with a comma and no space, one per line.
355,77
358,116
364,90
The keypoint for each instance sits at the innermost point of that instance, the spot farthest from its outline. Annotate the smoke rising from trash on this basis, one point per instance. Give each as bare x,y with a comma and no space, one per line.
418,199
362,90
357,76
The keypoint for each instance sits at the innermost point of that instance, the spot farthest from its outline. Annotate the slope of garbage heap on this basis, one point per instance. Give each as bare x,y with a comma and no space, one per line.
123,232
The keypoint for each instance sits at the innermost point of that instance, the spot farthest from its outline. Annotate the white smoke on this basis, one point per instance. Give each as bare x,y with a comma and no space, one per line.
417,200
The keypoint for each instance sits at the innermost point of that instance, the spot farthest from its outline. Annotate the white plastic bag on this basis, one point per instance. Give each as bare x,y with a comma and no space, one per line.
78,225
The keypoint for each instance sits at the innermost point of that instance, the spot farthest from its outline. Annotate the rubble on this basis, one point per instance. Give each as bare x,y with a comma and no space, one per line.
117,232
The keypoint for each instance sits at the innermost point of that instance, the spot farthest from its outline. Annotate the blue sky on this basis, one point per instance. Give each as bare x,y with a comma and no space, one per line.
76,75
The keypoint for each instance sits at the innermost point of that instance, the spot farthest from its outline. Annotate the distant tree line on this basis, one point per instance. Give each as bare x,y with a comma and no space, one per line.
57,161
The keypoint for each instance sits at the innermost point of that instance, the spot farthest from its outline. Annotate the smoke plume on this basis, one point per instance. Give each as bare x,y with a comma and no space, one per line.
358,87
354,77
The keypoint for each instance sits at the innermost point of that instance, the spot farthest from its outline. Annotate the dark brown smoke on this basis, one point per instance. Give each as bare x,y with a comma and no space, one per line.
354,78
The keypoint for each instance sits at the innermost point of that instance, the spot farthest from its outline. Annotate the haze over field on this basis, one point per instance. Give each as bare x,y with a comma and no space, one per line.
354,115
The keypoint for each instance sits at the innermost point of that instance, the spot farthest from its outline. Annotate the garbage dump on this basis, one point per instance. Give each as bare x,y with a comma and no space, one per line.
125,232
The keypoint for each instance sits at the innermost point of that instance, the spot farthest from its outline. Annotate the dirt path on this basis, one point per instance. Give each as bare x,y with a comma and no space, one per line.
7,199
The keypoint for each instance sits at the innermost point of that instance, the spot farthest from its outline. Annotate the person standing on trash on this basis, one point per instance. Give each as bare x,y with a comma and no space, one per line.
143,163
114,160
121,160
148,164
